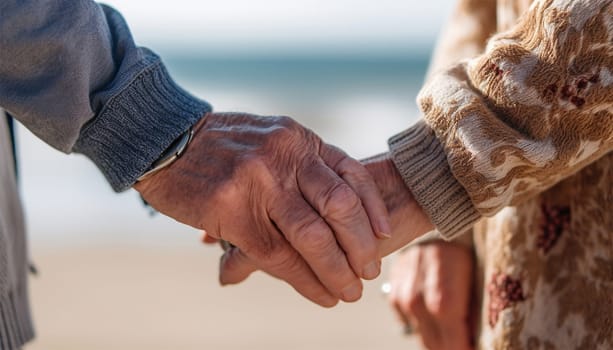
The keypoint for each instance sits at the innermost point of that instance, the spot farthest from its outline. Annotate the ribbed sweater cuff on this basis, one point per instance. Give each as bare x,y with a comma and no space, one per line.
15,322
421,160
137,125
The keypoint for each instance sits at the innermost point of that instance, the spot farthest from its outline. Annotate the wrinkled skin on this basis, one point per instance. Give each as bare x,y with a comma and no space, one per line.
408,220
291,205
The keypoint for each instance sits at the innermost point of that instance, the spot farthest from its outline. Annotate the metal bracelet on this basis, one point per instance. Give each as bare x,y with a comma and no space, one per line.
172,153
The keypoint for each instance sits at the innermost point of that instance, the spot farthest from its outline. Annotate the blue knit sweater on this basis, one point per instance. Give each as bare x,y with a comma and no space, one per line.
72,74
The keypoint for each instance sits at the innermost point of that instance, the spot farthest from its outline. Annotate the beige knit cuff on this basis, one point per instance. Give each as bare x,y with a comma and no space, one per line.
464,240
421,160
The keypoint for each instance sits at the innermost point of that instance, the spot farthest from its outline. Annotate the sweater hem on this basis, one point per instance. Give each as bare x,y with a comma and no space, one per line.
137,125
421,160
16,328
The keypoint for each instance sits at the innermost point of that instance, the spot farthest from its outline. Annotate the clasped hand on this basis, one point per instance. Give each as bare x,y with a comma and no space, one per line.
291,205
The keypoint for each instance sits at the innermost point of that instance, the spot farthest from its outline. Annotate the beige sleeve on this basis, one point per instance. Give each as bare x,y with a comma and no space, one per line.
465,34
533,109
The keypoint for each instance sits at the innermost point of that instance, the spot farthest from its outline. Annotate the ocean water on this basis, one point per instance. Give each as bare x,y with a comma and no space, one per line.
355,103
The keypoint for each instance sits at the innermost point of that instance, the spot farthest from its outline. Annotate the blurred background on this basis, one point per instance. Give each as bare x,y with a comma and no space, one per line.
113,277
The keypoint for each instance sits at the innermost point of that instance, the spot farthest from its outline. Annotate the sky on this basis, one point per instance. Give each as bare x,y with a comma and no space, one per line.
292,25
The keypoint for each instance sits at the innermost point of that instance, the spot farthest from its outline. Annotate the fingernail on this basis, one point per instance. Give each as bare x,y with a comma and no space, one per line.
353,292
384,235
222,282
328,301
385,229
371,271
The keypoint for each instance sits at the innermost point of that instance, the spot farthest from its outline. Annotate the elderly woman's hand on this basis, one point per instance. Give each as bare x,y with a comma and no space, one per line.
431,292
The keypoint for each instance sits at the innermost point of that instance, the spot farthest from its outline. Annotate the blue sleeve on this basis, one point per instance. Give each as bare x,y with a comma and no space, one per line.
72,74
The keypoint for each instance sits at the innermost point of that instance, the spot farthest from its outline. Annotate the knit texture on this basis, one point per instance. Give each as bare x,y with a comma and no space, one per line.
15,316
520,102
422,163
137,125
72,74
15,322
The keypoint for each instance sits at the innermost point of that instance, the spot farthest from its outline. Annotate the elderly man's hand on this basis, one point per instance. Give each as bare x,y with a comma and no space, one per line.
291,205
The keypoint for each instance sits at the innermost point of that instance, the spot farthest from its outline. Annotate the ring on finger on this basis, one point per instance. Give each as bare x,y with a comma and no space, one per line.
386,289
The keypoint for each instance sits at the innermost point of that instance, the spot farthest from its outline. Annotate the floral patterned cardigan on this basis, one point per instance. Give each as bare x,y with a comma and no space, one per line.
515,146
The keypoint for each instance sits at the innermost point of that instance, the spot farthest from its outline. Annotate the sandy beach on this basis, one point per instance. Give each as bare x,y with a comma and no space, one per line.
112,277
141,296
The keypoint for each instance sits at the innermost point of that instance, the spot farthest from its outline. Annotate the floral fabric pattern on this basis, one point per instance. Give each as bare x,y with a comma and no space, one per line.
520,95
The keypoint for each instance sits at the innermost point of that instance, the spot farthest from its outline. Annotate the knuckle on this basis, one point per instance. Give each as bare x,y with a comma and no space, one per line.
348,166
263,246
314,235
283,127
341,200
285,121
361,176
283,259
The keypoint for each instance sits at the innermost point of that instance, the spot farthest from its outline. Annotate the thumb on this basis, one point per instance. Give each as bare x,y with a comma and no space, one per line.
208,239
235,267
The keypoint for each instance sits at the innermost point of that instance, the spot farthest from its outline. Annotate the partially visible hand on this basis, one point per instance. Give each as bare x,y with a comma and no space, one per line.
292,206
408,219
431,283
431,289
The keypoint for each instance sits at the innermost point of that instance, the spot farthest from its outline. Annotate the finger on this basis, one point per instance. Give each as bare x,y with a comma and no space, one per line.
398,302
235,267
410,270
309,234
405,284
207,239
424,324
401,316
446,294
342,209
363,184
450,271
451,324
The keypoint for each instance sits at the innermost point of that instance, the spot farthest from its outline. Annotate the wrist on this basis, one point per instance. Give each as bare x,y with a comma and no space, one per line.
395,194
408,219
172,154
422,161
136,124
